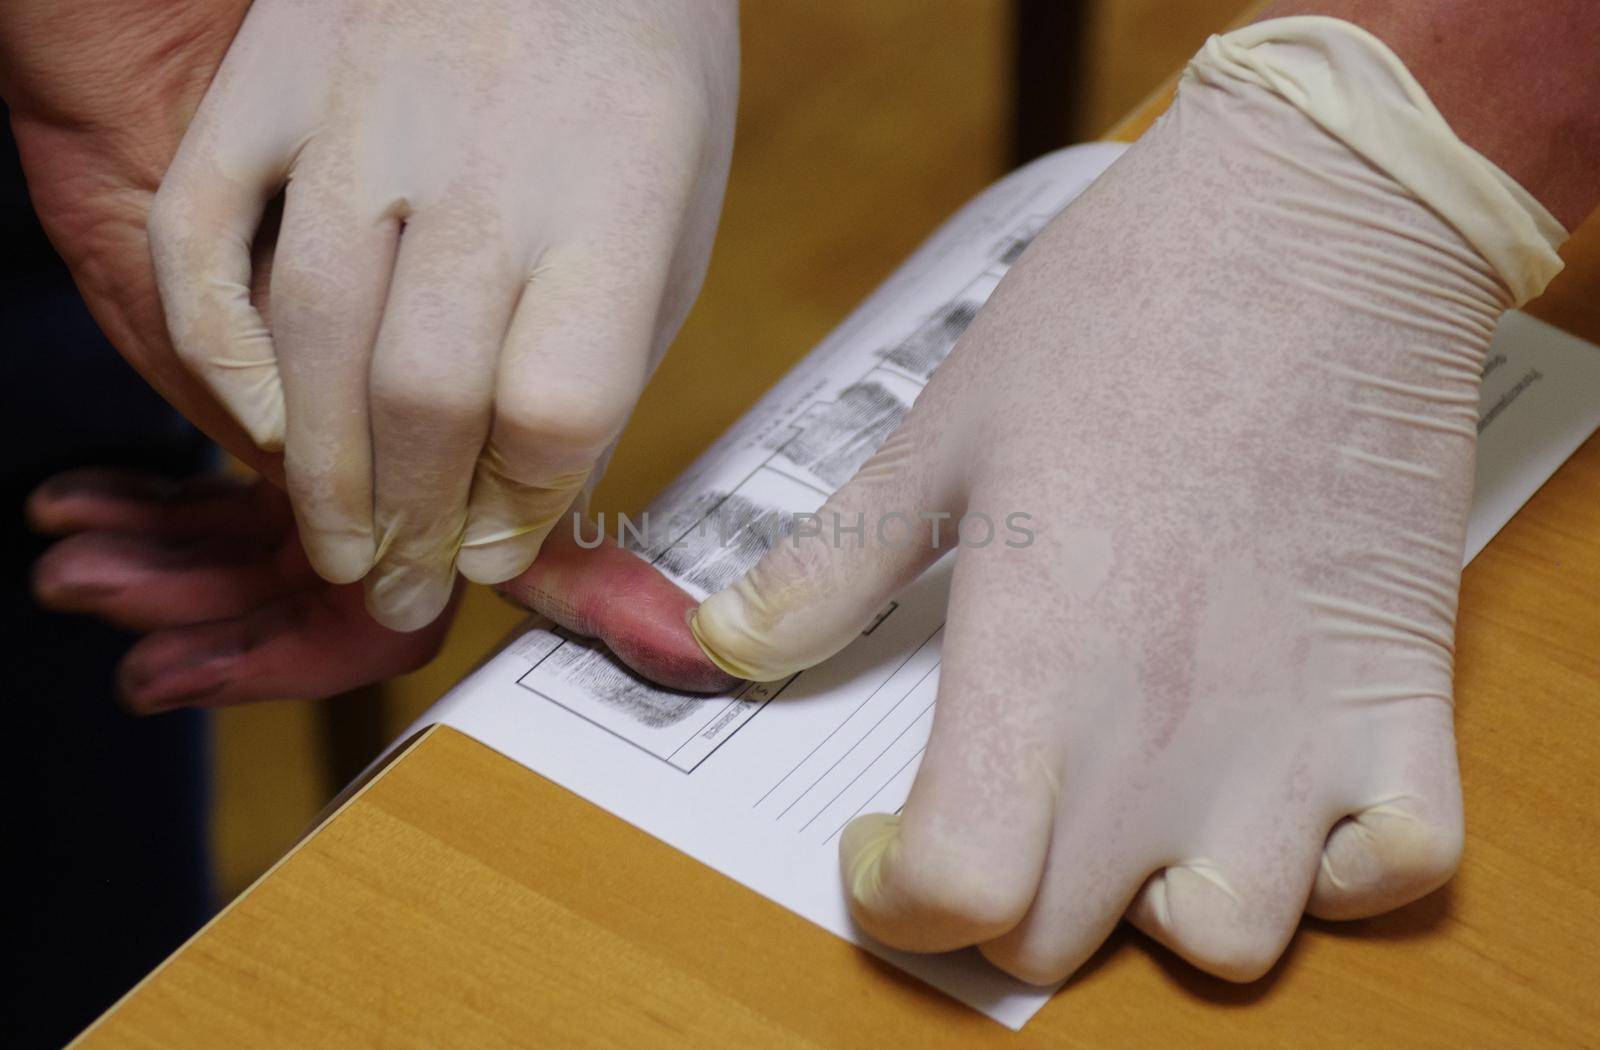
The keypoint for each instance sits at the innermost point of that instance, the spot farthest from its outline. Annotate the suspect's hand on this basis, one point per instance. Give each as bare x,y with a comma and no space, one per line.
495,218
1234,387
212,570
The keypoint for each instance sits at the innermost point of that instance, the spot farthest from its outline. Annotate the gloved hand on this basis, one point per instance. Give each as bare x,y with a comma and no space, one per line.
495,218
212,569
1234,389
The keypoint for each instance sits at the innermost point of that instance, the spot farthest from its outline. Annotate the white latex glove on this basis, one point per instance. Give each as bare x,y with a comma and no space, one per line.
495,217
1235,386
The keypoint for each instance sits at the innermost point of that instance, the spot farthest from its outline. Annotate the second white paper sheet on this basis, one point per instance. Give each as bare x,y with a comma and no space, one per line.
758,783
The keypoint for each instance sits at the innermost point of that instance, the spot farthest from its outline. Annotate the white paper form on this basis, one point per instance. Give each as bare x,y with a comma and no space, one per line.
1540,400
759,783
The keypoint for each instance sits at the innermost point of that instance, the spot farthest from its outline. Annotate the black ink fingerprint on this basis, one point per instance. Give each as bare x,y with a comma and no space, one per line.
846,432
591,666
926,348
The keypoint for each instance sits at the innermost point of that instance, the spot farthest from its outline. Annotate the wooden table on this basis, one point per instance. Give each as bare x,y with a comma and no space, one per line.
461,900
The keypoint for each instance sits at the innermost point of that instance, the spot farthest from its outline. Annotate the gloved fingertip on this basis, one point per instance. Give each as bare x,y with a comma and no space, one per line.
497,562
252,389
407,597
266,430
341,557
712,653
712,628
863,846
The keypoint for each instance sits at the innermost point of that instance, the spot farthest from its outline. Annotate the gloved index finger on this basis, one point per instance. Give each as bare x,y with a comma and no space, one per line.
432,388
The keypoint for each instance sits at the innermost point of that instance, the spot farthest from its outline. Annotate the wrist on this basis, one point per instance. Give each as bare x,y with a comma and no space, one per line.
1515,82
1357,92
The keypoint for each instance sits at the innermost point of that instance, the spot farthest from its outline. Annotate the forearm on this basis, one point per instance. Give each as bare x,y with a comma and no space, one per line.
1520,83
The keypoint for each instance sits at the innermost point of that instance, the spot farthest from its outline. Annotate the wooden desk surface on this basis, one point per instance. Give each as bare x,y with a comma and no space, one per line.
460,900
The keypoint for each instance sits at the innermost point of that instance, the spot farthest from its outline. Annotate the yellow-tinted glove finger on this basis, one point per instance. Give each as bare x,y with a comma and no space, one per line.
576,358
1407,842
960,864
329,283
432,390
201,227
816,588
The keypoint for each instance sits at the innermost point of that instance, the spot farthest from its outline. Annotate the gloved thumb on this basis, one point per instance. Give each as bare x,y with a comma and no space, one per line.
817,587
